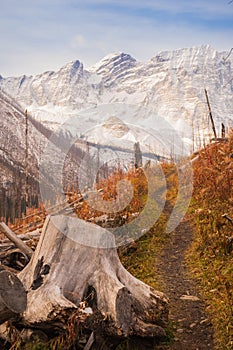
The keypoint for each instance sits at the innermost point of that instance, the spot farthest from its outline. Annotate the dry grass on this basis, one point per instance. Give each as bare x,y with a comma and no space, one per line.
211,257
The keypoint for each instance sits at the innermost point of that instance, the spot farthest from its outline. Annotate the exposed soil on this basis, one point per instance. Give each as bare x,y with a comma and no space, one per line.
191,327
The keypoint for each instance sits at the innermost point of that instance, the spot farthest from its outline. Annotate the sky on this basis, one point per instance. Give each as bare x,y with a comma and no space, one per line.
42,35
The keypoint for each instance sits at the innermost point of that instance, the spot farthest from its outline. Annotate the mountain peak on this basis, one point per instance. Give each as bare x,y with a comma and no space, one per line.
186,57
72,65
113,60
114,67
72,69
116,55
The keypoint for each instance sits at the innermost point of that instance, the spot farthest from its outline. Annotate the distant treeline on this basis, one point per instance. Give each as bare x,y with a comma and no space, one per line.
13,205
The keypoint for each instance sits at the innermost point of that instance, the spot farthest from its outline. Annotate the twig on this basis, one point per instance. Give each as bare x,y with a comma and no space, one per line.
90,342
225,216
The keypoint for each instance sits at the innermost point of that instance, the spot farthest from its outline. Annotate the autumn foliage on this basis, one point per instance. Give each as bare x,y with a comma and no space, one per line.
212,251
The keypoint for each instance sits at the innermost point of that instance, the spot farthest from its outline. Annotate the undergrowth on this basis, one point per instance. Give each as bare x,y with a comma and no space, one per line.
138,257
211,255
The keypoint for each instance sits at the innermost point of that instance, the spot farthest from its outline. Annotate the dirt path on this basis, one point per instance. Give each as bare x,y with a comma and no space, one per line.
192,329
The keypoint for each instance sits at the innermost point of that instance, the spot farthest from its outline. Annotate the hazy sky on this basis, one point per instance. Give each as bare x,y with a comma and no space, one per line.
41,35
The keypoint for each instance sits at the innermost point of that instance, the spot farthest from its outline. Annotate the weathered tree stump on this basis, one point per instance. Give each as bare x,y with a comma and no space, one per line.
13,297
66,274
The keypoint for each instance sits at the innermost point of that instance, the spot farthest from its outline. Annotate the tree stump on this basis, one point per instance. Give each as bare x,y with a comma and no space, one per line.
66,274
13,297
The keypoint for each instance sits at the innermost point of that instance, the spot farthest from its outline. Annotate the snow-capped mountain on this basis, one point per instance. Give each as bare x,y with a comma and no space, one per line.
169,87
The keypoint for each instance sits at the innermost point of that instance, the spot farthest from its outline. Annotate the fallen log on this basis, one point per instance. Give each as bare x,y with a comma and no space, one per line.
76,266
13,297
34,235
17,241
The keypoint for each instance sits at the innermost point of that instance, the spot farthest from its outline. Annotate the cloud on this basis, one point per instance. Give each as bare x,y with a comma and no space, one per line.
78,41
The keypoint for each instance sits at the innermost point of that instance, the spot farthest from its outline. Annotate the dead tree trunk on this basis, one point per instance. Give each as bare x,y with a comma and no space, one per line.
137,155
13,297
81,268
210,114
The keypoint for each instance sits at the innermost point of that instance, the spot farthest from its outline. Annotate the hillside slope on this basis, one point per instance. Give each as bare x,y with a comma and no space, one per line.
40,140
13,142
211,256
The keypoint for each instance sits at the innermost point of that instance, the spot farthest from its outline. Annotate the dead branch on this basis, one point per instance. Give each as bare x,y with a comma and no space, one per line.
17,241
